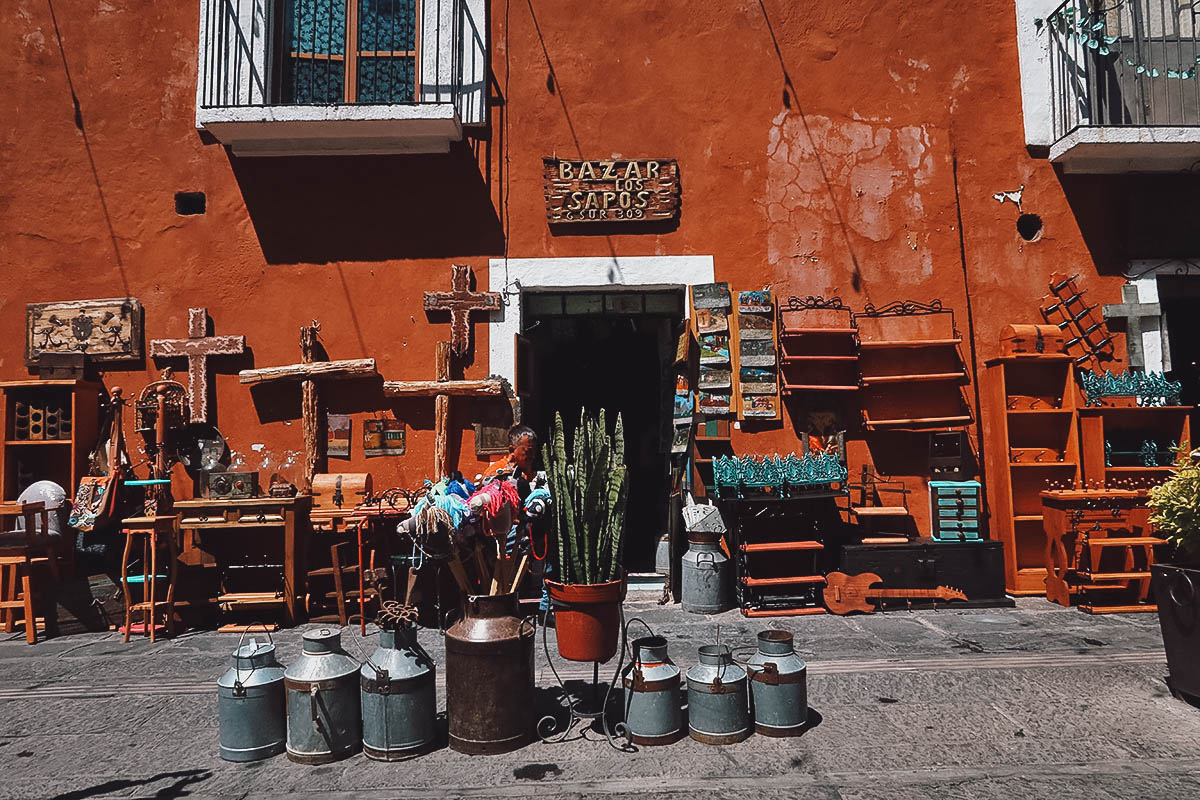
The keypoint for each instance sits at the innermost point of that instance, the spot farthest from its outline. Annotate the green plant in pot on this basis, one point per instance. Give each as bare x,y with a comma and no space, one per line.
1176,507
589,484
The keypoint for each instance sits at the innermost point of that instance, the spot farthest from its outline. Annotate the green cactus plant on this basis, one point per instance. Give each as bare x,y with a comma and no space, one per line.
590,489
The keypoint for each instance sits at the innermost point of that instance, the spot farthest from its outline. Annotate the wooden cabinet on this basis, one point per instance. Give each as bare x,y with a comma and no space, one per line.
975,568
1035,448
1131,447
49,428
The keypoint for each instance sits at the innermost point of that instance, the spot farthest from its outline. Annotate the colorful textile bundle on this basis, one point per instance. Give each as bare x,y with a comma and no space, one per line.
497,504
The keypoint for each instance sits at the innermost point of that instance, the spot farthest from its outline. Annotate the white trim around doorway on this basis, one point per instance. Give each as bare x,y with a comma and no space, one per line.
512,275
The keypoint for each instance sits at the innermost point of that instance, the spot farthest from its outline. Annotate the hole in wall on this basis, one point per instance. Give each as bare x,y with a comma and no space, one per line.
189,203
1029,226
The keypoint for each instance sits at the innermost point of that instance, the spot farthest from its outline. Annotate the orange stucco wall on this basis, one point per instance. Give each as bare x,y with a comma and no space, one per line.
815,143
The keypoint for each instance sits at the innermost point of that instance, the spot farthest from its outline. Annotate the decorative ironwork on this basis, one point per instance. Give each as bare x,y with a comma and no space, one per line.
1149,454
903,308
1182,267
782,473
1150,388
800,304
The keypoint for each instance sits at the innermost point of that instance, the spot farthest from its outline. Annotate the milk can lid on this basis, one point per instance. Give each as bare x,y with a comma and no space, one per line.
322,640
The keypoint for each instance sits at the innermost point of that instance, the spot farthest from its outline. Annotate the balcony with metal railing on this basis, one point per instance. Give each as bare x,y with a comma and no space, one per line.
315,77
1124,92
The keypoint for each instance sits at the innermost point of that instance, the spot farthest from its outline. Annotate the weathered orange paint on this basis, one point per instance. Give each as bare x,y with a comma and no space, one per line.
815,144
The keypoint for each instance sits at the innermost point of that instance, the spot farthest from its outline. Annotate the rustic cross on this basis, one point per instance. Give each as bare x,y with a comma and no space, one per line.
460,301
197,349
310,372
441,390
1133,312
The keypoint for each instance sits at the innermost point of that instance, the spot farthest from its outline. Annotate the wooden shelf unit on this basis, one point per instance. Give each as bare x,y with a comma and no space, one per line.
1035,400
818,346
64,459
1130,425
911,369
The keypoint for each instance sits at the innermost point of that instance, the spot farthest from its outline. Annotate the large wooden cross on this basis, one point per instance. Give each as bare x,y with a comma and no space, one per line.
1133,312
460,301
309,372
197,349
442,390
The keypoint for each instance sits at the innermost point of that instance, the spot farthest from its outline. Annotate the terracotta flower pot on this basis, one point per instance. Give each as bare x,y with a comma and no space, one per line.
586,618
1177,592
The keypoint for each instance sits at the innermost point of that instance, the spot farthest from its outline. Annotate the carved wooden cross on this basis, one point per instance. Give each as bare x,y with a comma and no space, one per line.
460,301
197,349
309,372
441,390
1133,312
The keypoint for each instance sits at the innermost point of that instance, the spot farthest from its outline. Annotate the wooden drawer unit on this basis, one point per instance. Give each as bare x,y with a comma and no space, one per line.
954,511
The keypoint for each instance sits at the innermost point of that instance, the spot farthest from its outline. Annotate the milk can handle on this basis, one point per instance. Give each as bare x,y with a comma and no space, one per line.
316,718
239,690
708,556
532,622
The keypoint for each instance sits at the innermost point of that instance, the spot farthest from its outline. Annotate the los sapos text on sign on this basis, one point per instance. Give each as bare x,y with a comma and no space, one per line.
612,190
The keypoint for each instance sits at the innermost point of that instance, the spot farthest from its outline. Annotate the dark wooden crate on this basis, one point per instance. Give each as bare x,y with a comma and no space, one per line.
976,568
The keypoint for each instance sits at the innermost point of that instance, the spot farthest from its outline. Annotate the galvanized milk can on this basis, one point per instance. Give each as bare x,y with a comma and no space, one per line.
652,704
705,574
250,707
323,715
778,686
489,677
718,705
399,703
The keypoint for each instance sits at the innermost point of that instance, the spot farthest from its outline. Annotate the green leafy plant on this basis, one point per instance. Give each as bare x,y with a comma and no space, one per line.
1176,504
589,486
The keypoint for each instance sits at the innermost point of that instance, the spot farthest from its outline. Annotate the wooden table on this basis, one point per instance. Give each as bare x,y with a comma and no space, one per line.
286,517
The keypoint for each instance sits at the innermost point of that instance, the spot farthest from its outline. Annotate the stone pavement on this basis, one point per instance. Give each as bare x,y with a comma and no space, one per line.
1037,701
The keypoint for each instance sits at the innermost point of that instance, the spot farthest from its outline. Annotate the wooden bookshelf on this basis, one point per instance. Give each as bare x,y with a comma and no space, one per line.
56,452
1035,400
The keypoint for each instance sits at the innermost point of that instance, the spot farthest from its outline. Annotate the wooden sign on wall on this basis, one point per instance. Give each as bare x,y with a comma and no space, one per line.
103,330
614,190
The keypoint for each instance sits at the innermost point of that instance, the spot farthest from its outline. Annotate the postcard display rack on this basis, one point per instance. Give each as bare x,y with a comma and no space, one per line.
713,400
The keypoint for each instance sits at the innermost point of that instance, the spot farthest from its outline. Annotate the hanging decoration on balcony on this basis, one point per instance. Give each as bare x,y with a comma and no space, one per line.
1075,21
618,190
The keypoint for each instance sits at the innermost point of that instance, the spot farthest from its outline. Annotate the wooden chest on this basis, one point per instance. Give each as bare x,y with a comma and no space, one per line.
954,511
976,568
1032,340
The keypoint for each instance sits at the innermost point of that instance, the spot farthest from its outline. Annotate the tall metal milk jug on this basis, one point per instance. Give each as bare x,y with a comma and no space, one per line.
778,686
250,707
706,574
489,677
399,702
324,718
653,713
718,700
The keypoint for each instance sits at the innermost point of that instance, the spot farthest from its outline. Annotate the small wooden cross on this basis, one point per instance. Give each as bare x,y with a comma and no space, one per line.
197,349
460,301
309,372
1133,312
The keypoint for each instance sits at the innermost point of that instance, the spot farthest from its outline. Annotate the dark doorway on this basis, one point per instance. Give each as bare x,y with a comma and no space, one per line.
1180,302
611,350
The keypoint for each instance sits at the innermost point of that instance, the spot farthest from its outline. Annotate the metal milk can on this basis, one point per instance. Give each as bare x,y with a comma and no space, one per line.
718,703
778,686
399,703
250,706
489,677
323,715
652,704
706,574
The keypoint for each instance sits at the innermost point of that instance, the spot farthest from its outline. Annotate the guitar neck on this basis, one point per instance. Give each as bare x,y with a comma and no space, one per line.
909,593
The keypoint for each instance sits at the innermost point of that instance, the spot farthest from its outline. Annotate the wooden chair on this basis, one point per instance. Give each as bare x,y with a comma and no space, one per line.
21,552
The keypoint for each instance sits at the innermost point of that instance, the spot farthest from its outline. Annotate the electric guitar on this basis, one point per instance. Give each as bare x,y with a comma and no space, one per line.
845,593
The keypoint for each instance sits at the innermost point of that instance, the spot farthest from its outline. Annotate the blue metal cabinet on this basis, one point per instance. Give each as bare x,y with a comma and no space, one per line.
954,511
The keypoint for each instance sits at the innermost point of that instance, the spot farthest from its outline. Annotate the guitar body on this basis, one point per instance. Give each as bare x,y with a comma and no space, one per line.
846,593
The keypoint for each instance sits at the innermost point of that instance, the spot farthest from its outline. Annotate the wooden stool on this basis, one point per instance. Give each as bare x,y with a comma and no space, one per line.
153,532
18,558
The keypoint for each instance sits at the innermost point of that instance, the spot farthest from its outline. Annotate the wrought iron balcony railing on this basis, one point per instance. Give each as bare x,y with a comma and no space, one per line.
1124,63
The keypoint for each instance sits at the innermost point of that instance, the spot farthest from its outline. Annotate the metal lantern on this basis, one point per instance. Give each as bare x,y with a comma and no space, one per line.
250,704
323,714
778,686
718,701
652,705
399,703
706,574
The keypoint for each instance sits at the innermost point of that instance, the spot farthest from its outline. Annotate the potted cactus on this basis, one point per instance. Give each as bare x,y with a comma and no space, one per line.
1176,505
589,486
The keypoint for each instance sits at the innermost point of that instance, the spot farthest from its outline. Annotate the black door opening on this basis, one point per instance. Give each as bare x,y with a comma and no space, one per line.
610,350
1180,301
